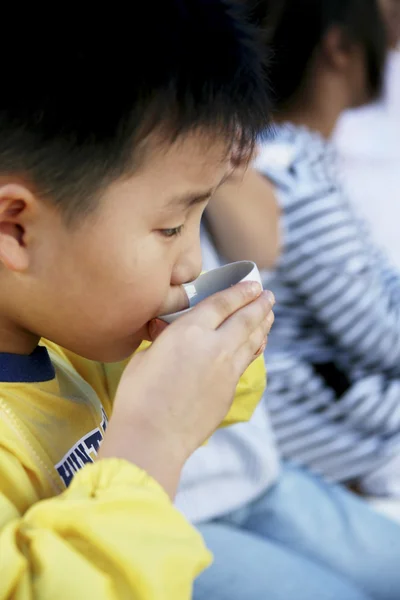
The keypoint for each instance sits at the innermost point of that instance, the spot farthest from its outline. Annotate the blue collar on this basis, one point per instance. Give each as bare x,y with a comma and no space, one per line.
20,368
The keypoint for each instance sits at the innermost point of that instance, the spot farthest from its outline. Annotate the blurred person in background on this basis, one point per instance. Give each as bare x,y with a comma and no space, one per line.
277,532
334,352
368,142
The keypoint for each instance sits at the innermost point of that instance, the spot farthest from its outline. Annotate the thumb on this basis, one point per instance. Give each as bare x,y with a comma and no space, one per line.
156,327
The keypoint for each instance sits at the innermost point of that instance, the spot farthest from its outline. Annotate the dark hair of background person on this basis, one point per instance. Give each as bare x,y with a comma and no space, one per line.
294,29
82,94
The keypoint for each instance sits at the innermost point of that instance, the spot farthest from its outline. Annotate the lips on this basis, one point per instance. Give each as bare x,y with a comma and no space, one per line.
179,302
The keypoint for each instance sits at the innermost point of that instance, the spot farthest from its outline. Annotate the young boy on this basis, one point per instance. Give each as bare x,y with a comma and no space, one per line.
108,156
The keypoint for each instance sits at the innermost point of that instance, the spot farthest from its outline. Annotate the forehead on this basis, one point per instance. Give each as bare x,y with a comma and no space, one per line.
193,154
191,166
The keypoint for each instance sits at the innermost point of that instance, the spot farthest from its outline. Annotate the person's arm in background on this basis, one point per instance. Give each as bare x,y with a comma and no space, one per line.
243,218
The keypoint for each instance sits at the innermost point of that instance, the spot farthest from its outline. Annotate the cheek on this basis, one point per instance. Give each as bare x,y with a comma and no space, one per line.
134,292
122,283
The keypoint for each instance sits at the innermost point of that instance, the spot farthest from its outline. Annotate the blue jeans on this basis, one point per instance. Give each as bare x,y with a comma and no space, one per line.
304,539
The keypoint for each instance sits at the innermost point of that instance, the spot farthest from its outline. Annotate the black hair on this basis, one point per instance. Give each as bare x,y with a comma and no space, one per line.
293,29
80,96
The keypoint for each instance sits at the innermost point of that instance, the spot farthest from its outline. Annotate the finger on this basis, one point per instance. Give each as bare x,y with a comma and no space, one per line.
254,346
261,349
249,352
240,326
269,321
254,338
214,311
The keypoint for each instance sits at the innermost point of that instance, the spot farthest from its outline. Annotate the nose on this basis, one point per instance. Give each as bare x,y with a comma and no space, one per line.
188,266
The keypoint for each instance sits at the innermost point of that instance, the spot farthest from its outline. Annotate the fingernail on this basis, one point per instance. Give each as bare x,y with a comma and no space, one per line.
261,349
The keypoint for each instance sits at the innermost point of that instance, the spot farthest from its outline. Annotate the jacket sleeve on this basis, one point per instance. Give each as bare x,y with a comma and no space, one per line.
249,392
113,534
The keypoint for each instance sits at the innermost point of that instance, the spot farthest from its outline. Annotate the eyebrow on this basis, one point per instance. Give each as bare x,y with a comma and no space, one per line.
198,197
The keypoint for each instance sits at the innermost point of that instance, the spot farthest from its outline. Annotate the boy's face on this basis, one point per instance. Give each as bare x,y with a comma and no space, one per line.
94,286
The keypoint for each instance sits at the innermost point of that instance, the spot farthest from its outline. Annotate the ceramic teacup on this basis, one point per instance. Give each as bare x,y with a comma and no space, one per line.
215,281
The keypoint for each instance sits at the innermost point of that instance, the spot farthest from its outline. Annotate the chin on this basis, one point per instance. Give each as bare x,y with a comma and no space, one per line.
106,348
118,353
109,353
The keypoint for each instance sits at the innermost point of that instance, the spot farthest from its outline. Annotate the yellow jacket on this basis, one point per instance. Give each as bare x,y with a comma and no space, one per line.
73,528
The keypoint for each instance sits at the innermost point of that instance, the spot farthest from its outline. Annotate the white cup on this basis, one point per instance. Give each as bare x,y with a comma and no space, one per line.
215,281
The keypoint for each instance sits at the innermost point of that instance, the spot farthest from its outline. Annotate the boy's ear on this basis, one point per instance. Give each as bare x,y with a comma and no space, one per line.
16,203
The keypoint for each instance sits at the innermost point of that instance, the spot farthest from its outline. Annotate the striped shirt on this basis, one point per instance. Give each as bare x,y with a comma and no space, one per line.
338,301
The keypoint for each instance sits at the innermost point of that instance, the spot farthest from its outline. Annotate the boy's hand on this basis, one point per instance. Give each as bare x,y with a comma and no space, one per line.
174,395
